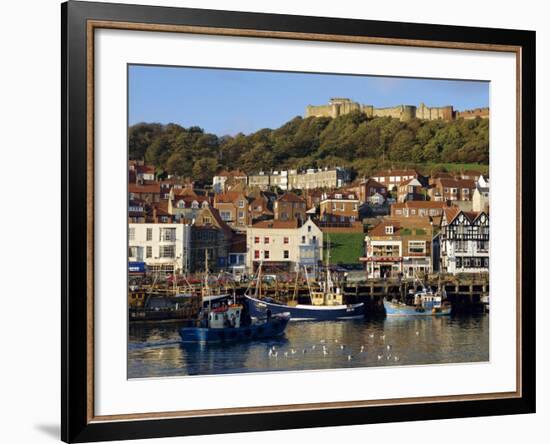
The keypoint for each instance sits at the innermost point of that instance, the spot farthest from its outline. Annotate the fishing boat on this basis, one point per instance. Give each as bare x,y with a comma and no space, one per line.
225,324
424,303
326,302
222,321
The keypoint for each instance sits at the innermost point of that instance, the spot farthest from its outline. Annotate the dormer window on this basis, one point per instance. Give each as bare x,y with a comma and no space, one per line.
389,229
181,204
195,204
338,196
205,204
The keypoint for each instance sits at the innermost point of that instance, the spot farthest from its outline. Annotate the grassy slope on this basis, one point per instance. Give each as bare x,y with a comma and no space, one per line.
345,248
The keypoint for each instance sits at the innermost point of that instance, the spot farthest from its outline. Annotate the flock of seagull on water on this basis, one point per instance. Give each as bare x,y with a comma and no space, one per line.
274,352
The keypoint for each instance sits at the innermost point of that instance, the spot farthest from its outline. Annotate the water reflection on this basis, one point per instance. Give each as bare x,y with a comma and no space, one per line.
155,350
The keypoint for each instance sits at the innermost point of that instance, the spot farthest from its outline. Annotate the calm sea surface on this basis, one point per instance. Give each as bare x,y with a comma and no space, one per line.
155,350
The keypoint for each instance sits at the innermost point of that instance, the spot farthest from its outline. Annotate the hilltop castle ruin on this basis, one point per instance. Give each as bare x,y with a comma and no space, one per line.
339,106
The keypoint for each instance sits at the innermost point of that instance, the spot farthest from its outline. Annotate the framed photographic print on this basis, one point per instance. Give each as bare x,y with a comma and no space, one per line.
276,221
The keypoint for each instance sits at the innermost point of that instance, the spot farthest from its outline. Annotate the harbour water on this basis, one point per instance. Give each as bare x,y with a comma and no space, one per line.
155,350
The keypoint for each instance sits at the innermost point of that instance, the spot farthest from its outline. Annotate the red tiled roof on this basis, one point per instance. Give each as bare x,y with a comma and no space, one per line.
229,197
420,204
372,183
457,183
380,229
451,213
149,188
290,197
277,224
396,173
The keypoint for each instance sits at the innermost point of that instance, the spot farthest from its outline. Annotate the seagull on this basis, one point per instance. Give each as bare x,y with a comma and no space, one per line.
349,357
286,354
292,351
362,348
342,347
396,358
379,357
371,335
269,353
313,347
325,352
417,333
388,347
383,337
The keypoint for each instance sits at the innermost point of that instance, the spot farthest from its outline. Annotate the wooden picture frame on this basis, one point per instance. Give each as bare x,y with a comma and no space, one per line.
79,22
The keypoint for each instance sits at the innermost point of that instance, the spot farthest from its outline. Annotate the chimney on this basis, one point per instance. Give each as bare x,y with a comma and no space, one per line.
155,214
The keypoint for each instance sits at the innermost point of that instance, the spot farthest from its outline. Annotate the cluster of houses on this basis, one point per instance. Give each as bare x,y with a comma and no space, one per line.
281,219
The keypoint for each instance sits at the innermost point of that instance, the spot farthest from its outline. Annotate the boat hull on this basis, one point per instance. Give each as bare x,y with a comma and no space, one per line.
271,328
393,309
258,308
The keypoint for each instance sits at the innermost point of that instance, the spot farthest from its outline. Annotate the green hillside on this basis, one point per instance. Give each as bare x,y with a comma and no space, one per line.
352,140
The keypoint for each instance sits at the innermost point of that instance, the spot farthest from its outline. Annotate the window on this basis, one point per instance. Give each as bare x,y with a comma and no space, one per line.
132,252
458,262
256,254
181,204
303,239
167,251
131,234
195,204
168,234
398,212
266,254
241,204
285,240
314,240
149,234
266,240
388,229
257,239
417,247
149,252
309,228
285,254
225,215
206,220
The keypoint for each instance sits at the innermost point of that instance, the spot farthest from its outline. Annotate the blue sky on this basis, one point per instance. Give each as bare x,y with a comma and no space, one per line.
226,101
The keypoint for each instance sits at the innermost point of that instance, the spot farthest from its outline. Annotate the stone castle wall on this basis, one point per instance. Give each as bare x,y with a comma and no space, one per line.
473,113
341,106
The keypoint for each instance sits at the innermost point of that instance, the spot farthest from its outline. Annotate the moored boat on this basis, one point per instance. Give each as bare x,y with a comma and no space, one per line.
224,324
326,303
425,303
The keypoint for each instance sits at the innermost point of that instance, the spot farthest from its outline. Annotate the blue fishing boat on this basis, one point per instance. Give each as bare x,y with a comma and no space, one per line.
326,303
304,312
223,324
222,321
425,303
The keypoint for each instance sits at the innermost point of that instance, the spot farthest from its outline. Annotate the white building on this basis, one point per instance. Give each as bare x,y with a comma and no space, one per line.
464,241
161,246
284,245
480,197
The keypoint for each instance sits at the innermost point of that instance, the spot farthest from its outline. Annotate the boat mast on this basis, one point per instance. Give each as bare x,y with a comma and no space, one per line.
328,285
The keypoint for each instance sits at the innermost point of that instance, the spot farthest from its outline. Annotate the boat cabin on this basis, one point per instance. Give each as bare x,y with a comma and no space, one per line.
330,298
225,317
